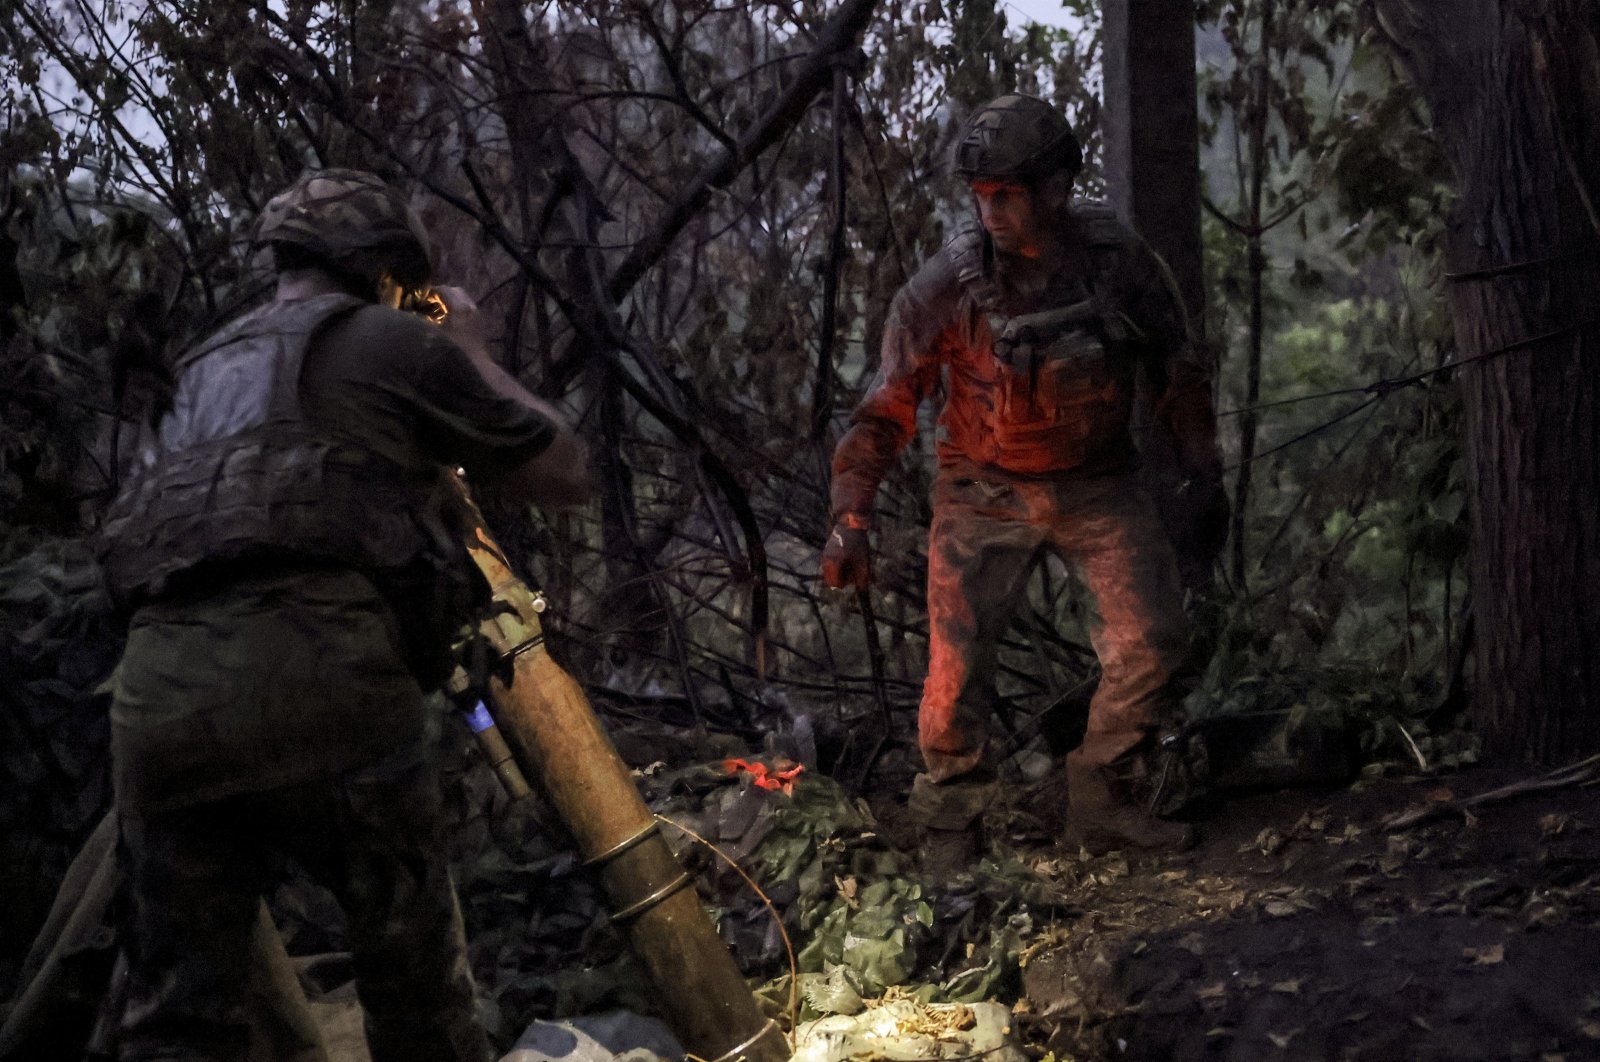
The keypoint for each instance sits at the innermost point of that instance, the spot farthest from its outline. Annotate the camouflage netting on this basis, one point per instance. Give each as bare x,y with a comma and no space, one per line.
58,643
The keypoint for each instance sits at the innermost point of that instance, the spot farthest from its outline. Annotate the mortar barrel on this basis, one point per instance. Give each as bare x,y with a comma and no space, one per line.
567,755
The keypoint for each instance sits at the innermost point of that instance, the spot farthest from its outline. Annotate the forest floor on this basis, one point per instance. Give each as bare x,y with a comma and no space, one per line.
1309,923
1303,928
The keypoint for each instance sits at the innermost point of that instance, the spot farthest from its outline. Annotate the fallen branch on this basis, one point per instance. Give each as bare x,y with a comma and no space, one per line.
1584,772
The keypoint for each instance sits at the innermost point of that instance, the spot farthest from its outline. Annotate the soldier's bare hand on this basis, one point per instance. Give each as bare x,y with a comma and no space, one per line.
463,323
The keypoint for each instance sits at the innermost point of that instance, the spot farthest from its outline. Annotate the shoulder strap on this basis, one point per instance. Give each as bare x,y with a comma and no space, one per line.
1101,226
294,326
1108,240
1107,237
969,256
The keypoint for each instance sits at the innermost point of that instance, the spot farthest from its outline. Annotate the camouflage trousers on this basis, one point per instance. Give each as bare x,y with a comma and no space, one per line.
988,531
373,836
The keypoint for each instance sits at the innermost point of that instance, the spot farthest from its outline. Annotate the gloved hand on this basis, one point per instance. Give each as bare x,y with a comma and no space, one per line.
847,559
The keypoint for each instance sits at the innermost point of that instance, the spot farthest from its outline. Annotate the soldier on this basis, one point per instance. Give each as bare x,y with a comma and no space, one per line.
287,546
1034,326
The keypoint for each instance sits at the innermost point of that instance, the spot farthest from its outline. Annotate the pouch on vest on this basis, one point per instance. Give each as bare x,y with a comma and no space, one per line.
1061,395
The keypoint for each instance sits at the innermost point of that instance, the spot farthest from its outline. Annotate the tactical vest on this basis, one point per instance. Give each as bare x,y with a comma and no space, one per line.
238,474
1063,384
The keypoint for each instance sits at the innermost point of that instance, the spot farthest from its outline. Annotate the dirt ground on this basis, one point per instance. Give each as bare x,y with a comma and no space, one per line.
1308,924
1302,928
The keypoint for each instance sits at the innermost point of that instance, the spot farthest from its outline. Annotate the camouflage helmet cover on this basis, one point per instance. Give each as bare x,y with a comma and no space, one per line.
354,220
1017,136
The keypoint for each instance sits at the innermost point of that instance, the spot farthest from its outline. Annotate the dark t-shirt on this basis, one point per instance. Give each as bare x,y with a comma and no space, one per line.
393,382
270,678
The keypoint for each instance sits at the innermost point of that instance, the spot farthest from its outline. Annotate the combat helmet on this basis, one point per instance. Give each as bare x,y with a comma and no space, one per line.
1017,137
352,220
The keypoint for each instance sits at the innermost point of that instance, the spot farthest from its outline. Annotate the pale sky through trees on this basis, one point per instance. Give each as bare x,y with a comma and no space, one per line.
1049,12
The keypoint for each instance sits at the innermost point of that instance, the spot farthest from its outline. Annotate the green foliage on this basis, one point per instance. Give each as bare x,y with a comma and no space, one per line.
1354,534
866,922
102,307
1362,538
1390,175
803,830
873,938
58,644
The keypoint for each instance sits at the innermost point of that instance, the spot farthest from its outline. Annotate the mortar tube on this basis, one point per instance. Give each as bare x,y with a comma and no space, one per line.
492,743
564,751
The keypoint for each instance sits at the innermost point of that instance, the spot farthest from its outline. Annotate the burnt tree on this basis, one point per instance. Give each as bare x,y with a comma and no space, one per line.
1514,88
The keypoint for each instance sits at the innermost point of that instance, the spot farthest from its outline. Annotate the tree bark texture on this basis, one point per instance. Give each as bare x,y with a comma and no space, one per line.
1151,124
1514,86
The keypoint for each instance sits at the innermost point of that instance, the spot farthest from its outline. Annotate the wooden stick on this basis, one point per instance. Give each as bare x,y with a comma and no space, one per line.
1579,773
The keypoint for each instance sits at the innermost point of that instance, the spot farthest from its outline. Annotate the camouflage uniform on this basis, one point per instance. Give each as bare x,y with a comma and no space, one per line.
268,704
1037,366
215,695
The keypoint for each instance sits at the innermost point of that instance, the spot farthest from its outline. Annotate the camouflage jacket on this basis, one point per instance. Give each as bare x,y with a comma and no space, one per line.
1035,382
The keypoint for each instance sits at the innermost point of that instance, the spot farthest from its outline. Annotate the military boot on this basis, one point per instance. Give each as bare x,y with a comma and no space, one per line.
949,821
1109,808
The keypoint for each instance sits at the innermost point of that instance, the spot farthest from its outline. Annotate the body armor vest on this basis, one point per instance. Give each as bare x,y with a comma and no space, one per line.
1063,386
238,473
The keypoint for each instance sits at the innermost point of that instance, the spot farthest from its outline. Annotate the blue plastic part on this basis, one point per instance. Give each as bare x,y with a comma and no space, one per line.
479,718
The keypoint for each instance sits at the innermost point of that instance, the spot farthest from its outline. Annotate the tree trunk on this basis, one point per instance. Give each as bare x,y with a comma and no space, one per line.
1514,86
1151,123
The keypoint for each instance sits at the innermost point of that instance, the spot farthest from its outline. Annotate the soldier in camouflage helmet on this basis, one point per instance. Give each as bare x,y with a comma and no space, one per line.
285,550
1018,138
352,221
1035,325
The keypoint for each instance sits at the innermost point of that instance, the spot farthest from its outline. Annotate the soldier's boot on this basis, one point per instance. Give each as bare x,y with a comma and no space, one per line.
1109,808
949,821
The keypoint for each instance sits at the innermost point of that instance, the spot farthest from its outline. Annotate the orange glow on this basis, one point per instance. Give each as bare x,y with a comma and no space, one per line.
986,187
779,777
